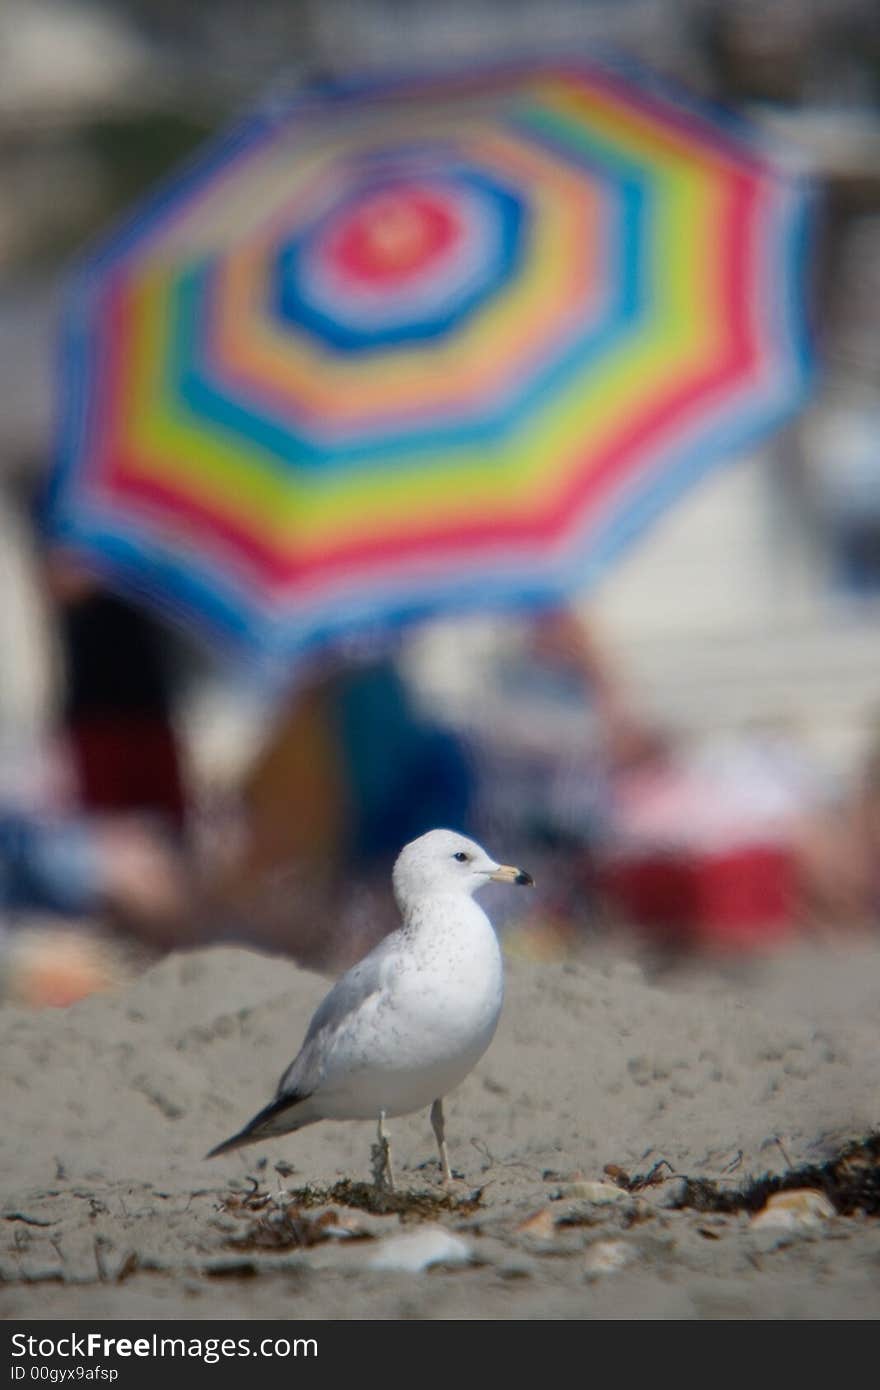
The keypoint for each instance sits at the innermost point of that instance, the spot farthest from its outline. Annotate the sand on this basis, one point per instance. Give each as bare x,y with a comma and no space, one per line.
109,1209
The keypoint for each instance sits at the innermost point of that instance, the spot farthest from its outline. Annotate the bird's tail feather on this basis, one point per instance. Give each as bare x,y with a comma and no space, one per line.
272,1120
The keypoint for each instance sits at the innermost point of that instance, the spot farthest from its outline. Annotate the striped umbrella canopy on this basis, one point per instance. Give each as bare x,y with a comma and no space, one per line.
432,343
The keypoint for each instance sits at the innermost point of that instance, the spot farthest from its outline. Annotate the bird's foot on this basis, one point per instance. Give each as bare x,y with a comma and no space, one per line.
451,1181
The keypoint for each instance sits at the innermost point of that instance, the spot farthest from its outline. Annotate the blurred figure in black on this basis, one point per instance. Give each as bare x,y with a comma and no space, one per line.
117,702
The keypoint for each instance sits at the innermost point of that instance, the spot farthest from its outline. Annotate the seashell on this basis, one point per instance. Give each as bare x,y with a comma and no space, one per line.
800,1208
414,1251
598,1192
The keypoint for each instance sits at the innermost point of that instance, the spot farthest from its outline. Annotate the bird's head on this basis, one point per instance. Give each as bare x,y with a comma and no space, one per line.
444,862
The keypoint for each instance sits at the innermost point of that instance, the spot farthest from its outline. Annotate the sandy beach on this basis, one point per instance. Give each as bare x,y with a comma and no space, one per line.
109,1209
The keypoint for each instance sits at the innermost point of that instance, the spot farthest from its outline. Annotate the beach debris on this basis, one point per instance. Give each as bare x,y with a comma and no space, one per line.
653,1178
254,1199
801,1209
281,1225
409,1204
412,1252
849,1181
617,1174
300,1218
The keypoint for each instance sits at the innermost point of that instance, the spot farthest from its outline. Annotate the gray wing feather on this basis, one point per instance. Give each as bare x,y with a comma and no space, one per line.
348,994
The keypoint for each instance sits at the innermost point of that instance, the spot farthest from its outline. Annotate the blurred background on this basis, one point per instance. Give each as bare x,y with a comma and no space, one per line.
684,748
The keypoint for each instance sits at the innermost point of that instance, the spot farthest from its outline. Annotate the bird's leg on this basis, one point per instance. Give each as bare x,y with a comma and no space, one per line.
383,1173
438,1125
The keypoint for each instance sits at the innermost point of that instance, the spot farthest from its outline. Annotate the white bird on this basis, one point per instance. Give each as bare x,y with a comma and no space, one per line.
406,1024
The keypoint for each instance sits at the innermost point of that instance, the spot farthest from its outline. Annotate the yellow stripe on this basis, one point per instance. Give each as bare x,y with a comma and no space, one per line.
678,338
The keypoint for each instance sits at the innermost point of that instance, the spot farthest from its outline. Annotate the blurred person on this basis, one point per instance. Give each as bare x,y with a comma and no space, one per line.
561,709
351,771
64,873
373,772
116,701
743,841
405,773
74,866
64,879
567,642
561,724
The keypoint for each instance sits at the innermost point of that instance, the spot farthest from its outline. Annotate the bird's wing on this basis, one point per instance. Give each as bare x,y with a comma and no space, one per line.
349,994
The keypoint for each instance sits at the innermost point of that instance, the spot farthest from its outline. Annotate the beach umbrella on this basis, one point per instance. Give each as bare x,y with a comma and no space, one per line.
426,344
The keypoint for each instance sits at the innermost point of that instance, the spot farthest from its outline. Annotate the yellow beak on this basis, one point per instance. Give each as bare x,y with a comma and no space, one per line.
508,873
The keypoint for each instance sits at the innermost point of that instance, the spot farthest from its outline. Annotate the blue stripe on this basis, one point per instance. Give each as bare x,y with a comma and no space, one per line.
259,428
291,305
184,591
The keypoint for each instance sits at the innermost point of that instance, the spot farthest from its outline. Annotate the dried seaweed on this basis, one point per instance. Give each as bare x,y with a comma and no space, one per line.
301,1218
289,1228
850,1180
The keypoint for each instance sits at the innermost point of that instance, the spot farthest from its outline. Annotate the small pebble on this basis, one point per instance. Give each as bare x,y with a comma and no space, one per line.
606,1256
541,1225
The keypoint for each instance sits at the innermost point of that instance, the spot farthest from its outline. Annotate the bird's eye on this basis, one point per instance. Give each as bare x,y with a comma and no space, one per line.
461,856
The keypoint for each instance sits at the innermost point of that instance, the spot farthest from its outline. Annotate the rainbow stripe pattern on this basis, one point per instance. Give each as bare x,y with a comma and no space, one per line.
432,343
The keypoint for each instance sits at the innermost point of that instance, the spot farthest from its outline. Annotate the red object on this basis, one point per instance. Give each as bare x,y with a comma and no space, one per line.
738,898
128,763
394,235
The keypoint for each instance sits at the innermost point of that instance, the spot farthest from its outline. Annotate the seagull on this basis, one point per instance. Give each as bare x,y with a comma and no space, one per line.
407,1023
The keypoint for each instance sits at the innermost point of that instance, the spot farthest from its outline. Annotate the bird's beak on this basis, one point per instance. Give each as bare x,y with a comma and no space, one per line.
508,873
